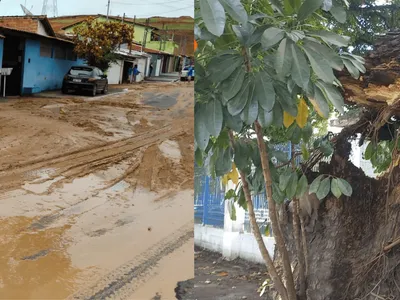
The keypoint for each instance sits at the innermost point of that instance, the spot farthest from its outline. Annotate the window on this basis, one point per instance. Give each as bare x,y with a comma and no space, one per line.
81,71
60,53
46,49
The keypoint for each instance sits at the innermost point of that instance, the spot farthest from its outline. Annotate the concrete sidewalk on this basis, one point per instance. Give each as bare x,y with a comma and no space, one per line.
165,77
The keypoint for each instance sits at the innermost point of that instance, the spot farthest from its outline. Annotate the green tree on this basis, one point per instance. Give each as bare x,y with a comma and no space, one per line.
96,41
265,74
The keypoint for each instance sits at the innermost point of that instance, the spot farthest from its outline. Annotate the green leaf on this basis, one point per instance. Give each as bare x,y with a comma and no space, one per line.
244,32
331,92
198,155
230,194
296,136
264,91
235,9
284,180
213,15
338,12
330,57
335,189
200,129
326,148
238,103
300,67
215,117
292,186
320,103
242,200
221,67
232,122
307,8
315,185
369,151
304,152
302,186
331,38
296,35
288,7
232,86
345,187
307,132
354,72
324,188
277,113
223,163
277,195
265,118
279,155
271,37
319,65
287,101
283,58
250,112
242,159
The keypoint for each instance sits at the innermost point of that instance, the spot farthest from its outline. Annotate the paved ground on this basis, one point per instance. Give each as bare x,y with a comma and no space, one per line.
216,278
96,198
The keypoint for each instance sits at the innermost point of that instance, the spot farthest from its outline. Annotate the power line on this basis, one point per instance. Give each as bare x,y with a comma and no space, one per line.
151,3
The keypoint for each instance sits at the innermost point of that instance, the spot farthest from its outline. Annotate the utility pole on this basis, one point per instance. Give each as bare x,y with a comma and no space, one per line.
108,8
161,37
123,17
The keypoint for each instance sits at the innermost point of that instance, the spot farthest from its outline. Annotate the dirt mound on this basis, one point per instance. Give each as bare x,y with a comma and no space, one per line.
160,170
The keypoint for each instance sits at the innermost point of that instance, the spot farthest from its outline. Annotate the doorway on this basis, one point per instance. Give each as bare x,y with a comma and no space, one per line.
13,57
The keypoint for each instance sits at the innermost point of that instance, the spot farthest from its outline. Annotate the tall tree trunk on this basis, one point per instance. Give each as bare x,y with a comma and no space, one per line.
277,281
279,240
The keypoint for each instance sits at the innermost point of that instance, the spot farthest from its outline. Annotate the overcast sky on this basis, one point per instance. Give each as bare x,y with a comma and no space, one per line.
140,8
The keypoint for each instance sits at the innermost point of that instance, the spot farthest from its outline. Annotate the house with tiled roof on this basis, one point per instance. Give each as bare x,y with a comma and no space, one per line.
39,58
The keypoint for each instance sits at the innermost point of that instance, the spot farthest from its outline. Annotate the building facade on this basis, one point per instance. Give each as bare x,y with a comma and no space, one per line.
38,57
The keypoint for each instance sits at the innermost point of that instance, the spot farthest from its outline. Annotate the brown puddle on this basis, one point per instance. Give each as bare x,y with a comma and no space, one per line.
34,264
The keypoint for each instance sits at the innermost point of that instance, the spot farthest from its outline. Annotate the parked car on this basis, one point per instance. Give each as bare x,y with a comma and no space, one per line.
85,79
184,73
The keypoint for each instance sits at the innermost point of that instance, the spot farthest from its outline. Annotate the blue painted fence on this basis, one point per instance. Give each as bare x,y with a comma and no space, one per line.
209,201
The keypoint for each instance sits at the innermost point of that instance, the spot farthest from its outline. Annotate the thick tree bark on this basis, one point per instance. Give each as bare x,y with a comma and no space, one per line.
279,240
353,252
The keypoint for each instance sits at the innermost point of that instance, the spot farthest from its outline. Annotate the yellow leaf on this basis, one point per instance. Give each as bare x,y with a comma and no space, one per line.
315,104
302,114
288,119
233,175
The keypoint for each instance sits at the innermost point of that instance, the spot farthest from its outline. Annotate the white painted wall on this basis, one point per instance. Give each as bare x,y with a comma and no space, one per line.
231,241
114,73
141,62
231,244
158,68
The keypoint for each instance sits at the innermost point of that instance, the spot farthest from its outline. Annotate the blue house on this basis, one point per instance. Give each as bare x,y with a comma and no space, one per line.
39,57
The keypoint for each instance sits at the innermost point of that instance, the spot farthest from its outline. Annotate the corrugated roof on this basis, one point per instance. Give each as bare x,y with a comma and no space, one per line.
26,23
5,28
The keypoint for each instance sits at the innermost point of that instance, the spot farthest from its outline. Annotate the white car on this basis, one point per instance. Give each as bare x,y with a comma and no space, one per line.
184,73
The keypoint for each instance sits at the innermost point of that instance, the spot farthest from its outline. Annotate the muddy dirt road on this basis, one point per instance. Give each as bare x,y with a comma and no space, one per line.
96,194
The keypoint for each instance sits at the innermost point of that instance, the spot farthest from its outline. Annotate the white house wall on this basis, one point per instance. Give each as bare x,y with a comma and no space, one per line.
114,72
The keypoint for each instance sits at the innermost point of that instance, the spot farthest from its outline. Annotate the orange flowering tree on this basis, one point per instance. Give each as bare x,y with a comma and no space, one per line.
96,41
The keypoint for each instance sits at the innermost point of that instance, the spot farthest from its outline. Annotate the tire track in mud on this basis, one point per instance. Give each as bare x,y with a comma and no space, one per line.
81,163
123,281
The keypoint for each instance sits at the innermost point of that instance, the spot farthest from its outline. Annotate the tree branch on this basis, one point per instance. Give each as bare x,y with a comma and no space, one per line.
278,283
276,230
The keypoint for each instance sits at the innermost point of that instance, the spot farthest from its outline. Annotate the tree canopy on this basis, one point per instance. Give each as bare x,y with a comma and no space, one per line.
97,41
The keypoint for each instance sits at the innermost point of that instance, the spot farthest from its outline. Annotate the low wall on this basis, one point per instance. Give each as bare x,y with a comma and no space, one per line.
231,245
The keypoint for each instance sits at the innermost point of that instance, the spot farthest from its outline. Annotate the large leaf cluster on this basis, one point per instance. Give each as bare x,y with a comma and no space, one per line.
264,63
